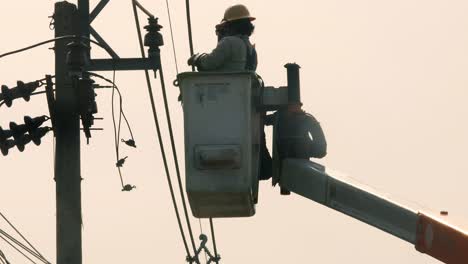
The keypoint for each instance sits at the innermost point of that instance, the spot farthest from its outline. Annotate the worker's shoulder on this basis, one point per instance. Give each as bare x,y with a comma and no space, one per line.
234,40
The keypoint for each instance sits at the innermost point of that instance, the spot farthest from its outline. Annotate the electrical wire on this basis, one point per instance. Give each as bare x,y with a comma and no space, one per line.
167,110
161,144
19,233
189,27
12,239
172,37
52,40
5,235
116,134
114,86
41,81
214,240
190,35
169,122
17,249
3,258
121,114
143,9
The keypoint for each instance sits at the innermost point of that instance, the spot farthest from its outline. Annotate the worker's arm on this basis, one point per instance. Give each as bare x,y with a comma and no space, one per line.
219,56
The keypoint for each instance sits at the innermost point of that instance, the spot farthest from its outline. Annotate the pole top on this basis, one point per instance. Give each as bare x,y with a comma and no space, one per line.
292,66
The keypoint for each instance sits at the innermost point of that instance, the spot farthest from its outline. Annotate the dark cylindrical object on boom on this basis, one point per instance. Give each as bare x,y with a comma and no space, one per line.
294,86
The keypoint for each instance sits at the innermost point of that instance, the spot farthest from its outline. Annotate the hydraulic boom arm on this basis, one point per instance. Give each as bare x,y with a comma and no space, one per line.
430,235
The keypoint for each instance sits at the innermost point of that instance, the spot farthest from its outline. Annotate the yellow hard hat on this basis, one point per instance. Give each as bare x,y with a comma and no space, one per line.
236,12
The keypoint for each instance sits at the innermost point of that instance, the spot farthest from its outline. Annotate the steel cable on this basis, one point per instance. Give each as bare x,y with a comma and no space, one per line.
12,239
177,72
3,258
122,114
52,40
214,240
189,27
19,233
174,152
17,249
190,35
116,134
172,37
5,235
161,143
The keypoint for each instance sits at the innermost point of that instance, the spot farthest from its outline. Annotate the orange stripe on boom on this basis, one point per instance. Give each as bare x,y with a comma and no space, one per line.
441,240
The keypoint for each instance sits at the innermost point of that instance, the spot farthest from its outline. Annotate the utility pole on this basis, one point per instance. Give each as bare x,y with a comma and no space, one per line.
74,98
67,148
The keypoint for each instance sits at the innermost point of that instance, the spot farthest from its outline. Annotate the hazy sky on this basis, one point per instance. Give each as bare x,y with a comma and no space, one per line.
387,80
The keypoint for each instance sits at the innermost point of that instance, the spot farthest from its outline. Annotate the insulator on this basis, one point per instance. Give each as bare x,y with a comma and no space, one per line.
21,90
22,141
6,145
153,38
18,130
26,89
7,95
4,134
37,134
34,123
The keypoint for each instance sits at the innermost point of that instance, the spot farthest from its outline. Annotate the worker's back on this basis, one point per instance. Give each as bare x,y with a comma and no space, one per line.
233,53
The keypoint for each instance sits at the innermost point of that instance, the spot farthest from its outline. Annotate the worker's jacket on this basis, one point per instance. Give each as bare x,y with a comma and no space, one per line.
233,53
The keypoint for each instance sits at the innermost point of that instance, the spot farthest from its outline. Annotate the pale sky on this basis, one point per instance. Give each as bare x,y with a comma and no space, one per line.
386,79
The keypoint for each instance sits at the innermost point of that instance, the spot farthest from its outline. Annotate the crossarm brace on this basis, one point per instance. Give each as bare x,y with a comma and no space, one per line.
123,64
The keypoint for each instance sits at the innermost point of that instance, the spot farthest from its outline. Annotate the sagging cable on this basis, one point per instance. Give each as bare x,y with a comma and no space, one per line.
161,143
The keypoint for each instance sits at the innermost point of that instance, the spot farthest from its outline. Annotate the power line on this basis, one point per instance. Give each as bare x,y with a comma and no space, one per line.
12,239
161,144
189,29
19,233
3,258
4,235
214,240
17,249
116,134
121,114
115,87
172,37
52,40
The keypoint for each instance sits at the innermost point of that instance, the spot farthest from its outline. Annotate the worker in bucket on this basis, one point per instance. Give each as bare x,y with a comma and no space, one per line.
234,52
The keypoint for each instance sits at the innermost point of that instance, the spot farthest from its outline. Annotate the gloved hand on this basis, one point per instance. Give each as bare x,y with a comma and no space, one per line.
194,60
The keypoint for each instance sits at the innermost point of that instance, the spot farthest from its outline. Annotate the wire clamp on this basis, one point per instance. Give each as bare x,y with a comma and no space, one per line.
129,142
121,162
203,248
128,188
